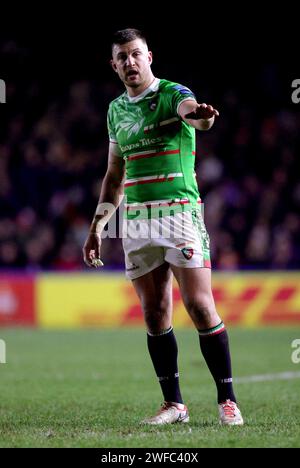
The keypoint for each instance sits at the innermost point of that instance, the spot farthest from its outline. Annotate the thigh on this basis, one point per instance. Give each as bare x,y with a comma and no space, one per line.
193,282
154,290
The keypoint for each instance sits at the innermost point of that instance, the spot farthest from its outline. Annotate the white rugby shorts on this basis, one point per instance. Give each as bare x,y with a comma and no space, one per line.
180,239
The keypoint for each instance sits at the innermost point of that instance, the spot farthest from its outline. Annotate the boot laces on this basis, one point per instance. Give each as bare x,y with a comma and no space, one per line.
229,409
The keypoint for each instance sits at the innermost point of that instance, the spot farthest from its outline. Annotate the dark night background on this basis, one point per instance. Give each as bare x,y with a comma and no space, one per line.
53,140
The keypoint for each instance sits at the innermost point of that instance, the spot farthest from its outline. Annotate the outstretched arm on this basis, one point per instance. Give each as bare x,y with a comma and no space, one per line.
199,116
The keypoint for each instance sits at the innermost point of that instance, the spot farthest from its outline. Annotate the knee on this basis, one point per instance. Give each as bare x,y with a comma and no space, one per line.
156,313
159,305
201,306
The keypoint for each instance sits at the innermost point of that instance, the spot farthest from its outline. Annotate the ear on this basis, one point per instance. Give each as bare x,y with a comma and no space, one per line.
113,65
150,57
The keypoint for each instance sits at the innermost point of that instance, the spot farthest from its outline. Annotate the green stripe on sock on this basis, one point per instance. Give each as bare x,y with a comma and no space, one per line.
211,331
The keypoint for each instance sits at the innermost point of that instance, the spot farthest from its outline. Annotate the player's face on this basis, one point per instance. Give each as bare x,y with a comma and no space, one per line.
132,61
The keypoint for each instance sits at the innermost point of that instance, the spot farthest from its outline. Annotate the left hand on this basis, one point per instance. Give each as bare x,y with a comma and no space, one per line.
91,250
202,111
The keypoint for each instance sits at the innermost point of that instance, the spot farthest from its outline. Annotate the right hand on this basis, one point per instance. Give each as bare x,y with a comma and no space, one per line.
203,111
91,249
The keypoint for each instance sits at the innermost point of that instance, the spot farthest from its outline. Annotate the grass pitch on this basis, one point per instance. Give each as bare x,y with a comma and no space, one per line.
90,388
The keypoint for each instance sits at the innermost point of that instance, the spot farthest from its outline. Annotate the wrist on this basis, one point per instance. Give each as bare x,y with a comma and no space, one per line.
97,225
104,212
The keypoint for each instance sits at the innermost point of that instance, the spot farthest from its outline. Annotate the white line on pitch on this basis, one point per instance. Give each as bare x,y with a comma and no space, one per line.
268,377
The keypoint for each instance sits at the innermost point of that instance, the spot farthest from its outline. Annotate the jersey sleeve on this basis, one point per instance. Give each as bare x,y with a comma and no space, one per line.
110,126
179,94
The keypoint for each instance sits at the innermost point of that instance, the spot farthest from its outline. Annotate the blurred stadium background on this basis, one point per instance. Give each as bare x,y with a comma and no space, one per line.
53,154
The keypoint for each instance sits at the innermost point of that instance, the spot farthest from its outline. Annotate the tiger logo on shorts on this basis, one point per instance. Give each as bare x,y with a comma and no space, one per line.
187,252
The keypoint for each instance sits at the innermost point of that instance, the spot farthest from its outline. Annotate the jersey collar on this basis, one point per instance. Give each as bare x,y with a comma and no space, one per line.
153,87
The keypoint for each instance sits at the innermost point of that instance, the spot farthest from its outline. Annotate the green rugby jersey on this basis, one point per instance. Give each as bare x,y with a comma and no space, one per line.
158,148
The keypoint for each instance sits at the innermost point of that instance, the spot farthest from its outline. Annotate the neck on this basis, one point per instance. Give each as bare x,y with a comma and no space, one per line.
133,92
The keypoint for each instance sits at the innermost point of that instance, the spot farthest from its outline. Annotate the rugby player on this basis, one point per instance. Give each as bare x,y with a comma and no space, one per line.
151,161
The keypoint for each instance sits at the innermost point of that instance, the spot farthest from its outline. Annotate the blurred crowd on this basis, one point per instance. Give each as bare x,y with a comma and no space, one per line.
53,156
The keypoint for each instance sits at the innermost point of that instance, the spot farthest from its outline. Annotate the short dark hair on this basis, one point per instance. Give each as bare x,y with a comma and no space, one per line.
127,35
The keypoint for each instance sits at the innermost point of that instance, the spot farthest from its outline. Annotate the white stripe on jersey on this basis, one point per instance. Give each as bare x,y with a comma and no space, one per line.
154,177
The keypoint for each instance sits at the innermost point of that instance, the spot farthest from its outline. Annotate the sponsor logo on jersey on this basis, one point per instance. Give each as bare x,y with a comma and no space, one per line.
187,252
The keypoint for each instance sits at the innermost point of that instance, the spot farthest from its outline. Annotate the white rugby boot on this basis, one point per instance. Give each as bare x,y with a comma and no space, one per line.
230,414
169,413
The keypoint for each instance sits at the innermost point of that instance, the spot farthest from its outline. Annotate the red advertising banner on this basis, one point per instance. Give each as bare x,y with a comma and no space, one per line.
17,300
